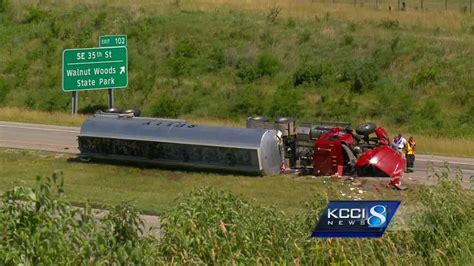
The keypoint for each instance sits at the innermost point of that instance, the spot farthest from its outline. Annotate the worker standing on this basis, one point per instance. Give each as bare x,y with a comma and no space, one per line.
410,149
399,143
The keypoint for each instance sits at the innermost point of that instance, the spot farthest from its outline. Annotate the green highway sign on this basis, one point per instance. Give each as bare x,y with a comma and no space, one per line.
95,68
112,40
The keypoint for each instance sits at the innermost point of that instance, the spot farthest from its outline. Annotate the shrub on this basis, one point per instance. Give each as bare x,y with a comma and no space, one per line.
248,72
327,16
390,24
337,109
216,59
286,102
215,227
352,27
179,66
3,5
185,48
273,14
36,15
248,101
383,56
291,23
430,110
49,104
30,101
305,36
265,65
308,74
3,90
20,69
468,117
395,43
166,106
38,227
180,63
430,118
401,111
99,20
444,223
125,223
363,77
424,75
267,37
347,40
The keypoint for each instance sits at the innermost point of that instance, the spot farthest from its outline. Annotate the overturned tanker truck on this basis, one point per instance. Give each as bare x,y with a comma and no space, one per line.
264,147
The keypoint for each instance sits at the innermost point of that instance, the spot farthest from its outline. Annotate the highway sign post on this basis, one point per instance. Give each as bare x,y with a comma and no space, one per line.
92,69
112,41
75,101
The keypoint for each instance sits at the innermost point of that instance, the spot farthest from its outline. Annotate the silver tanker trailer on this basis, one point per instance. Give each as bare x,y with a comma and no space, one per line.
176,143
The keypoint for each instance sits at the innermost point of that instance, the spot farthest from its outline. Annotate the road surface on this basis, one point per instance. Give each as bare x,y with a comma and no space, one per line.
39,137
64,140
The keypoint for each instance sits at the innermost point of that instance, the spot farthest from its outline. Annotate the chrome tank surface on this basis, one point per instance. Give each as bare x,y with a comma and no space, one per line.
178,143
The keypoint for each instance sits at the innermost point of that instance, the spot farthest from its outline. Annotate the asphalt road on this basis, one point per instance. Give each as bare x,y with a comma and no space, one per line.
64,140
39,137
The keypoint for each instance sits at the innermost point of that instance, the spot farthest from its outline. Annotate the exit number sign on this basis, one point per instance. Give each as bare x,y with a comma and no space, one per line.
112,40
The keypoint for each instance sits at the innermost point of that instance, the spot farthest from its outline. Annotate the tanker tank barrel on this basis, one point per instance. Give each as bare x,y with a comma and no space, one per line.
177,143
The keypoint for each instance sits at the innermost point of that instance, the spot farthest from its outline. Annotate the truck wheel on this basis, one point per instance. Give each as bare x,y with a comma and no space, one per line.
284,120
135,111
114,110
85,159
366,129
256,121
260,118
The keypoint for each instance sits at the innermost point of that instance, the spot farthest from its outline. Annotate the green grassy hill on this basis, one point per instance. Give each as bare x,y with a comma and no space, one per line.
410,71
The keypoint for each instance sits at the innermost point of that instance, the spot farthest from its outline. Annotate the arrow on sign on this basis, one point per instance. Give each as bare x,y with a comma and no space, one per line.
122,69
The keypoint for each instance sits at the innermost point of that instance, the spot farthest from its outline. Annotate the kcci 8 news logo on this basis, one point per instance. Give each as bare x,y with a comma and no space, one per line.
355,218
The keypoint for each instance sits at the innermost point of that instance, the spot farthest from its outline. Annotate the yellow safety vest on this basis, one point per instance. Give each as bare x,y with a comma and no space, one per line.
410,147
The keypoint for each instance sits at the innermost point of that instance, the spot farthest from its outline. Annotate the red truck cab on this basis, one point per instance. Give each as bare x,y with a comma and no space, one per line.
341,152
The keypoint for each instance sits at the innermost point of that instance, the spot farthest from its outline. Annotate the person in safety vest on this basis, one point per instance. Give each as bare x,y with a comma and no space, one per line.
410,148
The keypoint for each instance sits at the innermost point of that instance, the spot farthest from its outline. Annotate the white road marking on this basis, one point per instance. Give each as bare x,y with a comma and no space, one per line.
30,142
440,161
35,143
40,128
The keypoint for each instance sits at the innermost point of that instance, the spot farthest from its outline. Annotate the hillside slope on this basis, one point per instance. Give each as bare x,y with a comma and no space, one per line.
198,61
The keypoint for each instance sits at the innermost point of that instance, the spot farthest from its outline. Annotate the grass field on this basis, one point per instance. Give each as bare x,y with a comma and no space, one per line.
410,71
154,190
